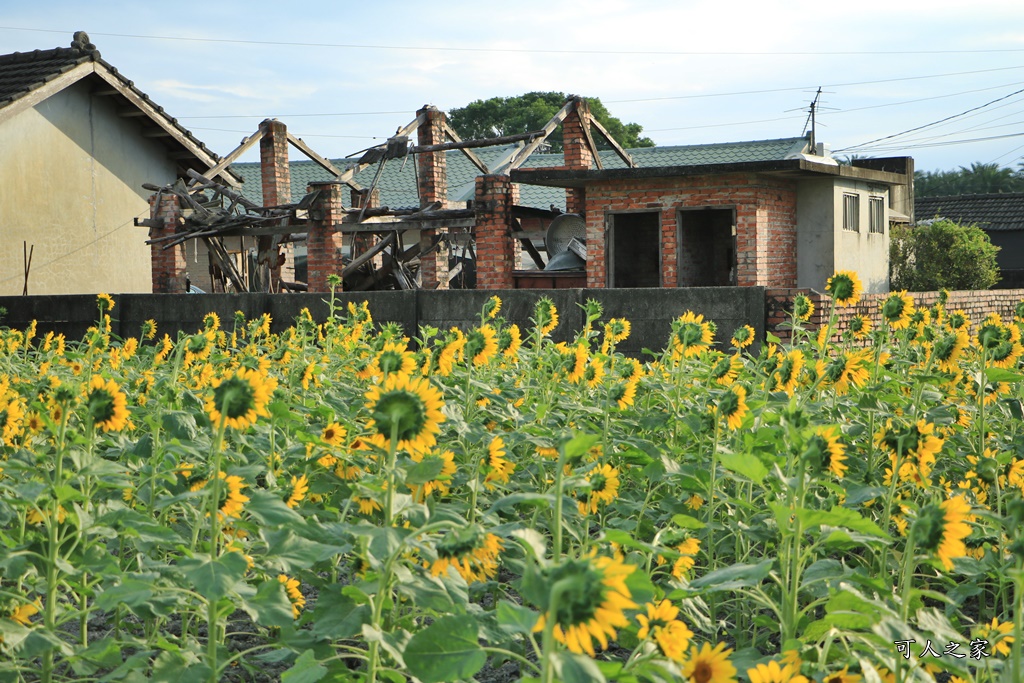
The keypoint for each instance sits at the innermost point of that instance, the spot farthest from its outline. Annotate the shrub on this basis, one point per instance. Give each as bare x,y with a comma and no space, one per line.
941,254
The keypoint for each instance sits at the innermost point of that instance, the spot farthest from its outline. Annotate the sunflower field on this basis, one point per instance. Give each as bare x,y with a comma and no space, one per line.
339,502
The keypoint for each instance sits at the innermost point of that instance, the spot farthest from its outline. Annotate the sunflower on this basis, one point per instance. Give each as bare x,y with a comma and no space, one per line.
787,374
211,321
947,349
896,309
727,369
773,672
498,468
844,287
690,335
941,529
617,330
470,551
23,613
593,373
509,341
742,337
998,635
239,398
232,499
165,347
482,345
629,369
394,358
687,550
408,406
824,452
441,479
849,367
623,394
732,405
295,596
300,486
491,307
842,677
105,302
1007,354
709,665
545,315
452,353
661,623
860,326
604,487
592,606
803,307
11,416
106,404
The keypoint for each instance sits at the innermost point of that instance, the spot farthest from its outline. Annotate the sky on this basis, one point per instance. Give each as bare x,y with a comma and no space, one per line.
939,80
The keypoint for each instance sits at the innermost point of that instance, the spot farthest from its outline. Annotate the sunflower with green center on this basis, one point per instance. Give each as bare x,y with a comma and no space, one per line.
617,330
211,321
787,373
860,326
492,307
732,406
239,398
105,302
918,445
580,354
232,501
394,358
407,407
509,341
623,394
593,373
295,596
742,337
545,316
198,347
482,345
824,452
498,468
300,487
803,307
690,335
726,369
11,416
446,459
592,604
662,624
452,353
942,528
848,368
999,635
604,487
470,551
992,332
773,672
844,287
106,404
947,350
709,665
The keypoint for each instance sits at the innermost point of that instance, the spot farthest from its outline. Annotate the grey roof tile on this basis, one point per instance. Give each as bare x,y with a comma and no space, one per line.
996,212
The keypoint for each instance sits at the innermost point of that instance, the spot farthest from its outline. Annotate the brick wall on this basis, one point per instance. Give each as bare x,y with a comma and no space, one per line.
323,243
168,264
277,189
494,257
976,304
765,224
432,183
577,153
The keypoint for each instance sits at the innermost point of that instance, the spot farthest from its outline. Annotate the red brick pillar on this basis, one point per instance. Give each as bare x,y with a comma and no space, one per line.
168,264
323,241
277,189
494,259
432,177
577,153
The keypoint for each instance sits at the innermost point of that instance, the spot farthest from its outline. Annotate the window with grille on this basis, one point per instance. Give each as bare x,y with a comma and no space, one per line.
851,212
876,215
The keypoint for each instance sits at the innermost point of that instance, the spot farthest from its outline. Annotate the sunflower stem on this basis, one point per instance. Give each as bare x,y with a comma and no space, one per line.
212,616
556,521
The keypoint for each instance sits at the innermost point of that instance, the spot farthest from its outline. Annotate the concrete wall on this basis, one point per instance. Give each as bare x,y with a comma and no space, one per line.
650,311
70,184
815,227
863,252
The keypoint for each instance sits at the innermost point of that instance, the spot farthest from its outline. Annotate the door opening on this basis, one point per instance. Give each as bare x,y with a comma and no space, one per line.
635,249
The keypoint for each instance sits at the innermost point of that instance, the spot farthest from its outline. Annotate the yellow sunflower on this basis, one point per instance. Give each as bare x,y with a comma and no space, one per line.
662,624
824,452
239,398
604,487
941,529
947,350
691,334
998,635
623,394
848,368
470,551
687,550
300,487
23,614
295,596
545,315
441,480
482,345
860,326
592,606
787,374
709,665
11,416
803,307
105,302
842,676
727,369
844,287
732,405
617,330
394,358
232,499
410,407
492,307
106,404
211,321
742,337
509,341
773,672
580,354
594,372
497,467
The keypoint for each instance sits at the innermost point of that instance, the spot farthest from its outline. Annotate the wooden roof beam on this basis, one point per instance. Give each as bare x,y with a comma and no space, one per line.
623,154
320,161
548,129
454,137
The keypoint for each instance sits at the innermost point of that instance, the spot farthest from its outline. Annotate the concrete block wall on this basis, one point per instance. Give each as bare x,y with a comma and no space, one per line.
323,243
168,265
765,224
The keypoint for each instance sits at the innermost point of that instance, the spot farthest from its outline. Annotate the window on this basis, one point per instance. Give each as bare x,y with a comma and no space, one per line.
876,215
851,212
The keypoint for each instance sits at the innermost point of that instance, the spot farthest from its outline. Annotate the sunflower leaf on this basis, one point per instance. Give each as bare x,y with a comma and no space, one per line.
747,464
736,576
305,670
447,650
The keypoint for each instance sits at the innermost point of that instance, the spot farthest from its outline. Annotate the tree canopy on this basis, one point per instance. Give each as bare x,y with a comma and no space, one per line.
980,178
500,116
941,254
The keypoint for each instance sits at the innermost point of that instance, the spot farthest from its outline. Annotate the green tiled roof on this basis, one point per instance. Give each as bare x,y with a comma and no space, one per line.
398,181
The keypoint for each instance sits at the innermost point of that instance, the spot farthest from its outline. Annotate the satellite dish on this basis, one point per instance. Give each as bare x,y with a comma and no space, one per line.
562,230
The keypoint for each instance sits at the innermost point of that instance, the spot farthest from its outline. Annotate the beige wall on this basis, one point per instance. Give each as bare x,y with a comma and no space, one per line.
815,241
864,252
71,172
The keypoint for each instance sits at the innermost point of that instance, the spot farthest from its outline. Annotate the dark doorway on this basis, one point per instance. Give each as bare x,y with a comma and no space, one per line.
635,254
707,247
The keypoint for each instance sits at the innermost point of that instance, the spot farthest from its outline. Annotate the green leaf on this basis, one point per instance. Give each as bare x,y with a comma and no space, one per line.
687,522
422,472
530,499
842,517
572,668
214,578
579,445
305,670
1001,375
447,650
516,618
771,338
130,593
736,576
270,606
180,425
337,616
747,464
269,509
297,552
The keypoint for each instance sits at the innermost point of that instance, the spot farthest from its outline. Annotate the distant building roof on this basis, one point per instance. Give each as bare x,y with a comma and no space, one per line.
996,212
27,78
398,181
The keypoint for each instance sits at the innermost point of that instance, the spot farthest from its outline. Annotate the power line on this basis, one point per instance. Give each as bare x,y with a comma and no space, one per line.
508,50
946,143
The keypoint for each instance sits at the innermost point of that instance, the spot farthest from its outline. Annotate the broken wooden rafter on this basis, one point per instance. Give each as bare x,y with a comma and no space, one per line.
230,158
227,192
454,137
482,142
548,129
623,154
589,138
367,255
524,239
321,161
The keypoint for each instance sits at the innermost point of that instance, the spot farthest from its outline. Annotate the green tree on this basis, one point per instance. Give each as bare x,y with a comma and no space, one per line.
978,179
523,113
942,254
